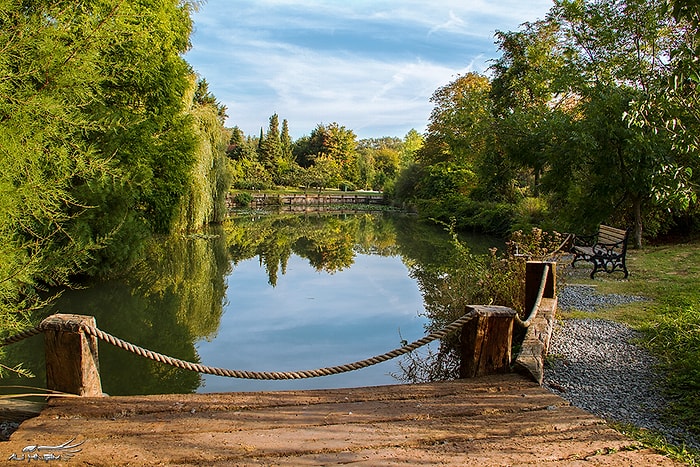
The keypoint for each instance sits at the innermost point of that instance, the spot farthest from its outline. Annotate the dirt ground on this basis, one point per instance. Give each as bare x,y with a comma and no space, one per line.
493,421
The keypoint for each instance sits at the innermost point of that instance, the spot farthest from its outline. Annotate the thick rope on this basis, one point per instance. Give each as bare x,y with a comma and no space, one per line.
277,375
21,336
536,306
563,244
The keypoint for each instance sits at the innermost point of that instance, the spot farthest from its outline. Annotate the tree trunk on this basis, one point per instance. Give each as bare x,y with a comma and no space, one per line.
637,234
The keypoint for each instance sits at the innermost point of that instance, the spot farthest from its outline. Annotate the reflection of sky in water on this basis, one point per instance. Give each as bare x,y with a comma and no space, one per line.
314,319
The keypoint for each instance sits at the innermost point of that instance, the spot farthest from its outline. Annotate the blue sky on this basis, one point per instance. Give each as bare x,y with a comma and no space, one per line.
369,65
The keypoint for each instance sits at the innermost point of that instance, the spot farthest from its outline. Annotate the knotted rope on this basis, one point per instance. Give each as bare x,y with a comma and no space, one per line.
26,334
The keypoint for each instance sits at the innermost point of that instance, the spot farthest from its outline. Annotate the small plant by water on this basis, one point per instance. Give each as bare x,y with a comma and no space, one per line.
496,278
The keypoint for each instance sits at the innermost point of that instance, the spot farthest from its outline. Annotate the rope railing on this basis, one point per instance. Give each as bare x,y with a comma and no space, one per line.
26,334
259,375
540,293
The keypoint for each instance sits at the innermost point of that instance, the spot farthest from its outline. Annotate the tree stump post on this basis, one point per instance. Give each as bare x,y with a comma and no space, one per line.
486,341
72,364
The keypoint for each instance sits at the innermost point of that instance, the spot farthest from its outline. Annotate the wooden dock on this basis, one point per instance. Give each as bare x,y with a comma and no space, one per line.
488,421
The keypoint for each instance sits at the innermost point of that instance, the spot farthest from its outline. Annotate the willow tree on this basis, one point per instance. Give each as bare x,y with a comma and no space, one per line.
204,199
95,141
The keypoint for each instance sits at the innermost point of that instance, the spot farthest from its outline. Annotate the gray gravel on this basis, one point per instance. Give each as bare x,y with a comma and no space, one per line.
596,365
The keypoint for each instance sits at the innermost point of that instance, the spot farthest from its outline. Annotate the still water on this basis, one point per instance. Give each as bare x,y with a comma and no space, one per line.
263,293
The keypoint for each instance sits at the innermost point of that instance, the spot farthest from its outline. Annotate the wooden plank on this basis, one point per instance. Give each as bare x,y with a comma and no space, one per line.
530,359
496,420
610,235
486,341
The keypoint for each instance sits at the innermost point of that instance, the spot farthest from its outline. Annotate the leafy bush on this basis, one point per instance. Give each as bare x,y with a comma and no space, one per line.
482,216
243,199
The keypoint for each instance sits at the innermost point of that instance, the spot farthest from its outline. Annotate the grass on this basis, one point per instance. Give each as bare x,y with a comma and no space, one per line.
669,275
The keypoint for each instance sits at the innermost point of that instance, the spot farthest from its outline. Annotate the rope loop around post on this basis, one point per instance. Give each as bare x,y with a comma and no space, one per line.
538,301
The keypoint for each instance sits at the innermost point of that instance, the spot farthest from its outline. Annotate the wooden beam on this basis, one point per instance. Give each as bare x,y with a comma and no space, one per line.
533,279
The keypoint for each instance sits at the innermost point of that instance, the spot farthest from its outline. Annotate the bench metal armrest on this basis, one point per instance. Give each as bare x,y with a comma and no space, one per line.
584,240
609,249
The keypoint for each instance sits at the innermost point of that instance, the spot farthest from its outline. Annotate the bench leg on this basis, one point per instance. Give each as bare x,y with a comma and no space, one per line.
595,269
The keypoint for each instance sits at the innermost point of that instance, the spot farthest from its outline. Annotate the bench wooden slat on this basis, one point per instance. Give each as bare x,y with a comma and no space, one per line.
608,234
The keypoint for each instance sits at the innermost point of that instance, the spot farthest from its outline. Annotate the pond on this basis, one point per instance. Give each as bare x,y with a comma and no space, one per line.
263,292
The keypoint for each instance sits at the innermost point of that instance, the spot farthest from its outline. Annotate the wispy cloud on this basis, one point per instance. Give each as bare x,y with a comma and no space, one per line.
369,65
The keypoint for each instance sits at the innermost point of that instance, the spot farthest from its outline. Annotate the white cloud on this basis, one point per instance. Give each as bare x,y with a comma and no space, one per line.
369,65
453,24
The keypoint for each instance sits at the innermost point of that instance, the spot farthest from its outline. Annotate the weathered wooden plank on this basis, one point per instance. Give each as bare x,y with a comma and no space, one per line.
495,420
486,341
530,359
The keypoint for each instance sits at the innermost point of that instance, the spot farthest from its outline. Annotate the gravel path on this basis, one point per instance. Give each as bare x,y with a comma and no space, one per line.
597,366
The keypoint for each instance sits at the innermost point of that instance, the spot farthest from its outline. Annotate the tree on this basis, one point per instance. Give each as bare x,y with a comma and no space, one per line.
203,97
412,142
204,201
333,143
286,142
96,143
458,135
459,122
526,94
271,146
239,147
617,53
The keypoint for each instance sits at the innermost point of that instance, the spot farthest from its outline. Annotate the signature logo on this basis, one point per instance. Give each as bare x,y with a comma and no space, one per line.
37,452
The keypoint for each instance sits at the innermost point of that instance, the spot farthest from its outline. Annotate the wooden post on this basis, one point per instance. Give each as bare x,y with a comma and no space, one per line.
533,278
486,340
72,364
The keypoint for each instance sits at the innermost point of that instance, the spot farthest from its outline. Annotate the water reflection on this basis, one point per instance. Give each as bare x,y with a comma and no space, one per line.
264,292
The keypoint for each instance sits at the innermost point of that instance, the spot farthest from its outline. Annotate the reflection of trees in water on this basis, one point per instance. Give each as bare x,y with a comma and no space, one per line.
446,271
172,298
329,242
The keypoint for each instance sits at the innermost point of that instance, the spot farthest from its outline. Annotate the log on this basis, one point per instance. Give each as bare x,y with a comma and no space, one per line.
530,360
486,341
72,364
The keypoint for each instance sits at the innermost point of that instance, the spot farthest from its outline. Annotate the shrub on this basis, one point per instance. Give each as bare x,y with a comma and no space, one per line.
243,199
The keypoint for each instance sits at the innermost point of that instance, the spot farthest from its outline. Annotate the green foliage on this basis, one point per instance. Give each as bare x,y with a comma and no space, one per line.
243,199
676,339
481,216
98,145
458,131
204,199
578,114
